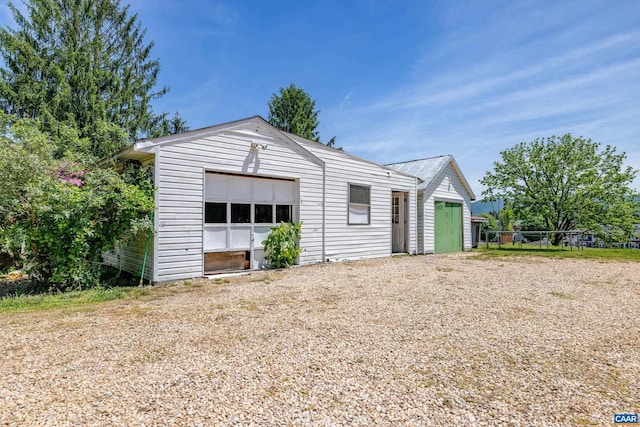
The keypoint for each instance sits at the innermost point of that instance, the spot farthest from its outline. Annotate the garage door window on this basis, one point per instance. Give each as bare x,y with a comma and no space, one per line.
359,204
240,213
283,213
263,214
215,213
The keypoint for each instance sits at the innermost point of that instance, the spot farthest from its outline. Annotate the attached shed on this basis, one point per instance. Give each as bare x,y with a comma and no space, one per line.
220,189
476,229
444,204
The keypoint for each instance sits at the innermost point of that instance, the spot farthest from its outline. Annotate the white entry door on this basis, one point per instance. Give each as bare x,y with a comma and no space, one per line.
398,222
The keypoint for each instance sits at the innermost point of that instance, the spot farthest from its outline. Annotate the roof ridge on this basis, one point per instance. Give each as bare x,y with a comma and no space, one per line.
418,160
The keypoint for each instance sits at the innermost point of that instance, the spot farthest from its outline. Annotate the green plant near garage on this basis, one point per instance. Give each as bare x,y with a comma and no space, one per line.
282,246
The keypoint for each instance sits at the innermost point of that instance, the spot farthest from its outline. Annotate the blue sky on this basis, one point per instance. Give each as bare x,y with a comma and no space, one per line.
405,80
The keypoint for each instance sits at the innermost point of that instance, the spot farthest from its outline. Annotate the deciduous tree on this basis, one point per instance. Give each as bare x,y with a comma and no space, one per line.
569,183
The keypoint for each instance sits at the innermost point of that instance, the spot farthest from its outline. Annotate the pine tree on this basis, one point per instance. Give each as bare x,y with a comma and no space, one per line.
293,110
80,64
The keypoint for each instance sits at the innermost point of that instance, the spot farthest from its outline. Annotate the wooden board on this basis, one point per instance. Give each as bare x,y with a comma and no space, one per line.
224,261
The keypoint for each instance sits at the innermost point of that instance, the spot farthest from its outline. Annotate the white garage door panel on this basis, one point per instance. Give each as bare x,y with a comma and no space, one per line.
258,259
263,190
239,188
215,187
284,192
240,237
215,239
260,234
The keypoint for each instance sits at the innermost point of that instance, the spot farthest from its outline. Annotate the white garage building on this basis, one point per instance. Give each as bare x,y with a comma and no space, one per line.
444,204
220,189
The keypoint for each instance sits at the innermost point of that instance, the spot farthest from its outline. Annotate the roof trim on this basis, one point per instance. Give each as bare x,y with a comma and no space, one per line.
148,145
353,156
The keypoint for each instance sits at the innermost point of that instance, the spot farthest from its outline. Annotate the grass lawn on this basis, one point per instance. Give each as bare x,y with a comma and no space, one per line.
22,303
557,252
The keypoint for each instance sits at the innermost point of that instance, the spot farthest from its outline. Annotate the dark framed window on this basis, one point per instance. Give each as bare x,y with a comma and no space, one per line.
263,214
283,213
240,213
215,213
359,204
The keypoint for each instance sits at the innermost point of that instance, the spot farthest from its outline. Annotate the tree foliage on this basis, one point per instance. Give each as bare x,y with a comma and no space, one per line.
80,64
566,183
76,85
293,110
506,218
58,214
169,126
490,225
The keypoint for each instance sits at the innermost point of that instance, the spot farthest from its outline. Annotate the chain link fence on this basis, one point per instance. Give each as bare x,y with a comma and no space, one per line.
547,240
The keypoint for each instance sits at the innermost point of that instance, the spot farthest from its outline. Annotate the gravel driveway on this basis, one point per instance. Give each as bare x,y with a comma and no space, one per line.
426,340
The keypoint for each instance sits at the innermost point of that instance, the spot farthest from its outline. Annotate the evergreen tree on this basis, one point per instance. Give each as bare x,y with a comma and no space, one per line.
169,126
294,111
80,64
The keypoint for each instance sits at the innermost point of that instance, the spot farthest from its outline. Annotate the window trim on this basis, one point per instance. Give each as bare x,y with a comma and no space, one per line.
350,204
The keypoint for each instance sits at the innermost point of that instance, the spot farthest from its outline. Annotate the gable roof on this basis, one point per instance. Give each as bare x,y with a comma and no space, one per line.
337,153
430,168
145,146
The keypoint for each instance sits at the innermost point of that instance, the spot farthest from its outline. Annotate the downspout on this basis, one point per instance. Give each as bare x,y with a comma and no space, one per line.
324,211
146,251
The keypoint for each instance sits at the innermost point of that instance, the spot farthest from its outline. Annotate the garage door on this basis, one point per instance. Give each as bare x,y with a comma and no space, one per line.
448,227
240,210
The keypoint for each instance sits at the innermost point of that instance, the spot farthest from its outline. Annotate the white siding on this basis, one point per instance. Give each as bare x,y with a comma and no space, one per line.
420,222
181,167
344,241
129,257
446,187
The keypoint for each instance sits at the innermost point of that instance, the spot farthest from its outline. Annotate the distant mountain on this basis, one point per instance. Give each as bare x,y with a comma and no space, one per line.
486,207
494,207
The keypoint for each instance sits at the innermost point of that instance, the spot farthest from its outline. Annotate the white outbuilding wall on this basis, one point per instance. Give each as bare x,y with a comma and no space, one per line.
442,181
250,162
348,241
446,187
181,163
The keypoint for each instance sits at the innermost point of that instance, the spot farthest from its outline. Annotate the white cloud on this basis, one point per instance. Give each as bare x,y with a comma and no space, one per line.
346,98
569,80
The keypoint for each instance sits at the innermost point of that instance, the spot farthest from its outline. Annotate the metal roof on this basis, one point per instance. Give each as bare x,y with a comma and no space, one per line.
428,169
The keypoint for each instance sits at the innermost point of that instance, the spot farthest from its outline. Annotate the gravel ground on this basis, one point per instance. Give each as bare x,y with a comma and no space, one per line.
427,340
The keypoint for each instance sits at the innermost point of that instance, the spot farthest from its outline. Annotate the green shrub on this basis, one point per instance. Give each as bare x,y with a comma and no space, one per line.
61,215
282,246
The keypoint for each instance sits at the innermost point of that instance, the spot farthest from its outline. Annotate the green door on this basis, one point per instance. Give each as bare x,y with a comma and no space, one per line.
448,227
